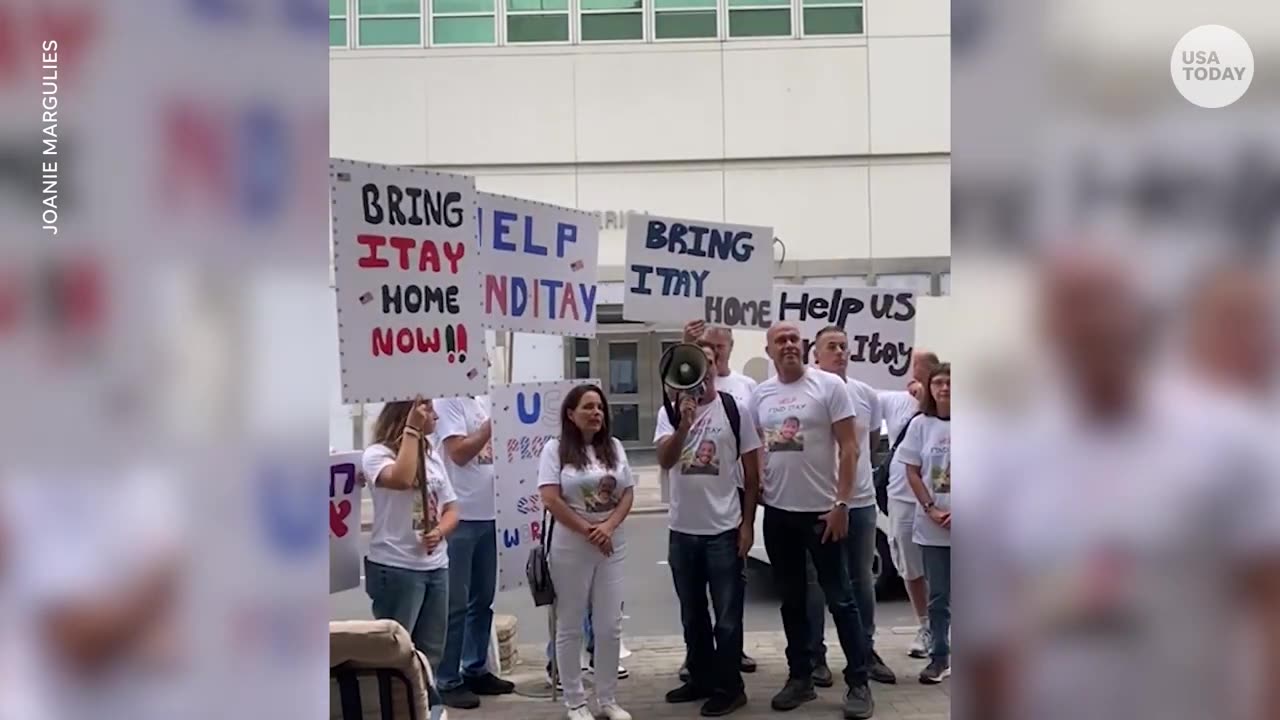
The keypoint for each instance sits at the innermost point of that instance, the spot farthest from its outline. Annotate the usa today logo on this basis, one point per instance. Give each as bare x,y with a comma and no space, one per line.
1212,66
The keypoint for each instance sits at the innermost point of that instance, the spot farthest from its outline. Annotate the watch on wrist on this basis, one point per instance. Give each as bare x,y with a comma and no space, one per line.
842,504
930,505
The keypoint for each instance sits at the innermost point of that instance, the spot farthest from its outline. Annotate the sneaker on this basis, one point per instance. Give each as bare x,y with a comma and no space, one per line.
920,646
581,713
937,670
461,698
858,704
794,694
611,711
490,684
687,693
722,704
878,671
822,676
623,673
748,664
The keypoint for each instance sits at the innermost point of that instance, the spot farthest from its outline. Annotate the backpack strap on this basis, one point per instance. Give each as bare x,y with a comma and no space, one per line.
902,435
735,419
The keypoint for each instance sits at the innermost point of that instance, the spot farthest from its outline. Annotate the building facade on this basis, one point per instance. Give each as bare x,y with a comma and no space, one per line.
828,120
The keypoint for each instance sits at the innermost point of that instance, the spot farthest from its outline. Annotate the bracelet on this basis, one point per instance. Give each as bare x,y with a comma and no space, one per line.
412,432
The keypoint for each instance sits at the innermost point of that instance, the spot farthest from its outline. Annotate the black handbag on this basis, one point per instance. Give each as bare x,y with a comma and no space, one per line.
537,570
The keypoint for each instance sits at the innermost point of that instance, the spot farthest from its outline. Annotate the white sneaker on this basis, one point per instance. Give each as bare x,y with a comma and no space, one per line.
920,646
611,711
580,713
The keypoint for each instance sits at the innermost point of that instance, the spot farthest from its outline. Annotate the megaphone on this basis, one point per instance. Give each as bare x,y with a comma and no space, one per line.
683,368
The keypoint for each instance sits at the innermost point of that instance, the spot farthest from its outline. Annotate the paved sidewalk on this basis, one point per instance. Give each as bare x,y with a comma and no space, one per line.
654,662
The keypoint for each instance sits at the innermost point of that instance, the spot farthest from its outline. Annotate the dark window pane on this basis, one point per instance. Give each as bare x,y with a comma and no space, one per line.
613,26
399,31
448,7
581,347
537,28
463,30
338,33
581,369
337,7
759,23
681,4
673,25
833,21
390,7
623,368
625,421
611,4
536,5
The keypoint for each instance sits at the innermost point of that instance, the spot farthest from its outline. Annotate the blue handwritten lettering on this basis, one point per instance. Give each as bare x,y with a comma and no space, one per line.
699,241
511,538
501,228
529,417
345,469
675,282
565,233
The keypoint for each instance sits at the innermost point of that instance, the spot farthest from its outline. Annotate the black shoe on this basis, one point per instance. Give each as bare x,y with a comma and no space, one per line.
460,698
936,671
748,664
878,671
822,676
489,684
721,704
794,694
687,693
684,671
858,704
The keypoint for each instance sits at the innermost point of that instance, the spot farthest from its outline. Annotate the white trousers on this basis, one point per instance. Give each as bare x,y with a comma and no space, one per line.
584,577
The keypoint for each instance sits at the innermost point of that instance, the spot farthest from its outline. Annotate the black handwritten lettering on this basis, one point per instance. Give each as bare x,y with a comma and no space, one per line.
870,349
437,207
734,312
699,241
419,298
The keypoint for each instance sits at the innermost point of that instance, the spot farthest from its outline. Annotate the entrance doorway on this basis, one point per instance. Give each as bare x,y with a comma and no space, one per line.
626,362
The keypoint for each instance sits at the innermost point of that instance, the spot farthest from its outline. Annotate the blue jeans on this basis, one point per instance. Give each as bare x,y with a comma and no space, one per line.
699,563
418,600
937,572
861,550
473,580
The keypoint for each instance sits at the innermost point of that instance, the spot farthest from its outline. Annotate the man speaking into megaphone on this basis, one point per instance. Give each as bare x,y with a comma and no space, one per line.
706,441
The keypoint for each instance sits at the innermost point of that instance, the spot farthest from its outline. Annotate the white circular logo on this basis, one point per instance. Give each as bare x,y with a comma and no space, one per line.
1212,66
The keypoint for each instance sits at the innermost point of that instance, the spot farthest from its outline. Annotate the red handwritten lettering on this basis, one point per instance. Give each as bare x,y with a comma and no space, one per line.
338,513
373,242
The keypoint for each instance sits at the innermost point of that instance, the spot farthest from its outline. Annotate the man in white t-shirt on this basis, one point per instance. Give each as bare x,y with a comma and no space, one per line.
831,353
466,432
741,388
805,416
711,532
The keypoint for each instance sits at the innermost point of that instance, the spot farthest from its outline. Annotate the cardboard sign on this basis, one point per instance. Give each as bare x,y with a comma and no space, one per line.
880,323
680,270
525,417
344,521
539,267
405,267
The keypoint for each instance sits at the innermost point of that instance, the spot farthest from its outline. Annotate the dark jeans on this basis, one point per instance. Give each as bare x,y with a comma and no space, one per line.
792,539
937,572
699,563
417,599
860,547
473,580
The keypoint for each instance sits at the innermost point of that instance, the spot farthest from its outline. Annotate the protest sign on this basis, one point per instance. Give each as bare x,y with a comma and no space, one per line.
344,521
679,270
539,265
881,325
405,268
525,417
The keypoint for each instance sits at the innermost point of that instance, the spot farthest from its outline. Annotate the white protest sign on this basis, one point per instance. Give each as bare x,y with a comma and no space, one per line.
539,266
679,270
881,325
525,416
405,267
344,521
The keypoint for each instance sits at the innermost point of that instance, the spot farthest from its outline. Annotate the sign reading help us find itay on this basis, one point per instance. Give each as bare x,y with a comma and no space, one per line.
679,270
344,521
406,269
525,416
880,323
539,266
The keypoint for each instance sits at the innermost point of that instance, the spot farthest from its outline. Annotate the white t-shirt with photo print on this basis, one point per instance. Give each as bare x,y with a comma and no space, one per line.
795,420
473,482
866,408
394,541
594,491
705,481
928,445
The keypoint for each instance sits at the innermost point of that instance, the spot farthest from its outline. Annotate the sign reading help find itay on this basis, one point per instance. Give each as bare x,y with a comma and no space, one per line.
406,269
525,417
679,270
539,267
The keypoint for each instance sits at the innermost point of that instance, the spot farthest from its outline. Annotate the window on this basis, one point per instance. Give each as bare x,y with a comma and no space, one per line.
337,23
624,361
581,358
759,18
612,20
463,22
681,19
832,17
389,22
530,21
919,283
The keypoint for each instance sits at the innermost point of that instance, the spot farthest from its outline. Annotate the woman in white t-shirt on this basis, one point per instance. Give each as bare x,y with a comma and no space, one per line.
926,453
407,568
586,485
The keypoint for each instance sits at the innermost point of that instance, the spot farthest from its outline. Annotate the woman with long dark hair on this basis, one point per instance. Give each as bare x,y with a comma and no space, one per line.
587,486
407,568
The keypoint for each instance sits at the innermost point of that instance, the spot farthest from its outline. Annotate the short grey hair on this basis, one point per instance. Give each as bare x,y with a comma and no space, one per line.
718,330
